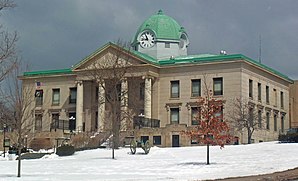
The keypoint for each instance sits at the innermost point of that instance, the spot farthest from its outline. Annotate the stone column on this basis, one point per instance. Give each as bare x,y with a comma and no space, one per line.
148,98
79,106
124,104
101,107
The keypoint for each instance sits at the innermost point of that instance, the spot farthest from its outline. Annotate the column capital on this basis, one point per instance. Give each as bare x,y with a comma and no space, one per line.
79,82
124,79
144,77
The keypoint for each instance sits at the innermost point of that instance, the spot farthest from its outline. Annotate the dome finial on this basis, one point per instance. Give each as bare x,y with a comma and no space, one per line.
160,12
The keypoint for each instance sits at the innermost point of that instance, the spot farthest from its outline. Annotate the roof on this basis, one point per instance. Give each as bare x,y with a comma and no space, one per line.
47,72
179,60
208,58
162,25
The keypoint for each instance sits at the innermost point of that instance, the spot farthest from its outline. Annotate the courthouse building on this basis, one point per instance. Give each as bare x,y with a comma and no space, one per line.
167,82
294,105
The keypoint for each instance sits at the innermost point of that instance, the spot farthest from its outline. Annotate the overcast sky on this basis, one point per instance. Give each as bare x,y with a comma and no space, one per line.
56,34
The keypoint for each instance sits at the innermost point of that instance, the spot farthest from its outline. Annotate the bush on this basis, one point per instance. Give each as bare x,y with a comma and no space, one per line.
288,138
65,150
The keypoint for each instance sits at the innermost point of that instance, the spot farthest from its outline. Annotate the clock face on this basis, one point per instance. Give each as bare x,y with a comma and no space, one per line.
147,39
183,41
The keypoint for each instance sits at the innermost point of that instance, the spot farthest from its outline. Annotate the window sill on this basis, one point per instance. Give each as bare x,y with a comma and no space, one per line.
195,97
174,98
218,96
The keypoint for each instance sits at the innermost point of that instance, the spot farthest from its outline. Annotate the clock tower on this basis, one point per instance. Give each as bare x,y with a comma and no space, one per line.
161,37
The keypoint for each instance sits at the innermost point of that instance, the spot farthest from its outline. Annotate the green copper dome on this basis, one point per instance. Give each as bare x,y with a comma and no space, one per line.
163,26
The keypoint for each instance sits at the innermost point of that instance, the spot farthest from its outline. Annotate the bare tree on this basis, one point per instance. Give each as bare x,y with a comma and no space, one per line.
8,57
5,4
111,74
18,105
245,115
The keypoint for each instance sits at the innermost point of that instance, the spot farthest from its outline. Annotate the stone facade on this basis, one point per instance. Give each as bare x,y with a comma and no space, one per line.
161,89
294,105
157,102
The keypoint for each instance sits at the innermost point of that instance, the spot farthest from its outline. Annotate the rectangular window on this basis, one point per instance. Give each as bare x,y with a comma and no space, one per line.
72,121
260,118
38,122
195,88
96,94
119,91
156,140
193,140
55,120
267,94
72,95
195,115
267,120
175,89
167,45
174,115
56,96
282,100
282,122
259,91
251,117
142,91
275,122
39,97
275,97
250,89
96,120
217,86
219,113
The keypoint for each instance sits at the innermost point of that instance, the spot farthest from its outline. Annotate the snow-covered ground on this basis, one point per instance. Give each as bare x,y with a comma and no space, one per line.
184,163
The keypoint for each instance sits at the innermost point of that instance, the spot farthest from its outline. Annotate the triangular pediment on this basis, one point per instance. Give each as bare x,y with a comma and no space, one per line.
108,54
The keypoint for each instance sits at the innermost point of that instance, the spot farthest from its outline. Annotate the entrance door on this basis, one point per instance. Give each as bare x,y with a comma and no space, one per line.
72,121
175,140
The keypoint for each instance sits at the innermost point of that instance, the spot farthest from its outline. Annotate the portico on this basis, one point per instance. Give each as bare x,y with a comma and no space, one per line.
135,98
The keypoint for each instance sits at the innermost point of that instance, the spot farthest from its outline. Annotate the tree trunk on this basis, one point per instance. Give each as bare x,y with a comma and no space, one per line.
113,132
117,133
113,148
115,129
249,134
19,146
19,160
208,154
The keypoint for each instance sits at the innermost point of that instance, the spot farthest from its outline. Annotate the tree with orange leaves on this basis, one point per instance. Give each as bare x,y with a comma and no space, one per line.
211,128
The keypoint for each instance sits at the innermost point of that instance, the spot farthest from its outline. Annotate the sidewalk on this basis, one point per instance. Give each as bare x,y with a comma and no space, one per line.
288,175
